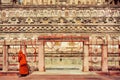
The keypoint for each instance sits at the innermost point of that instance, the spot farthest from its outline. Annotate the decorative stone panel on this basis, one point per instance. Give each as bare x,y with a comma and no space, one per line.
60,28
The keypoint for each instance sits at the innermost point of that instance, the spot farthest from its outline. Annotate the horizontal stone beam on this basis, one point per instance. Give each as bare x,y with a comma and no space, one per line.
60,29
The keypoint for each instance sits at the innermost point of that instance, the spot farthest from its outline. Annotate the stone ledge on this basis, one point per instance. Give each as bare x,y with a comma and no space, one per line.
9,73
110,73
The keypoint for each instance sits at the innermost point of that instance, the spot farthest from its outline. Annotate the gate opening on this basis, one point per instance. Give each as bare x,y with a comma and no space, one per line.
64,52
64,55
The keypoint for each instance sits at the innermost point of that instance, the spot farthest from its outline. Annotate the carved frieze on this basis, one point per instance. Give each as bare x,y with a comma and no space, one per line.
48,16
60,20
102,12
60,28
63,21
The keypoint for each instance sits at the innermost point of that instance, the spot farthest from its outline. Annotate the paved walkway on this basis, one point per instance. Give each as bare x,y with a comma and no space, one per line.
62,75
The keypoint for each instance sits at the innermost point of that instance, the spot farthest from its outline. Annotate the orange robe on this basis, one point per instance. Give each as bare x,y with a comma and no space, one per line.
23,63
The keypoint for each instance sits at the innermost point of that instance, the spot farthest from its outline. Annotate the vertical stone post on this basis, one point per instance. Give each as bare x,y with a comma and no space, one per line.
86,59
23,47
41,57
104,58
24,50
5,57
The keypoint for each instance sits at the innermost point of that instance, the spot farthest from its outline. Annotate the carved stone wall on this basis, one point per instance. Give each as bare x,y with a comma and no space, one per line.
59,20
23,25
55,16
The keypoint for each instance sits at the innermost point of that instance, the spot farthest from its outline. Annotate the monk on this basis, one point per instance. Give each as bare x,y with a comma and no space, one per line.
24,71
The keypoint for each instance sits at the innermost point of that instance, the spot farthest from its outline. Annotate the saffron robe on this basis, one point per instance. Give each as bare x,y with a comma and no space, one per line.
23,68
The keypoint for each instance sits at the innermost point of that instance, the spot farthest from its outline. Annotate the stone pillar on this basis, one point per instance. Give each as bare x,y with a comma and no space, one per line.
86,59
104,58
23,47
5,58
24,50
41,57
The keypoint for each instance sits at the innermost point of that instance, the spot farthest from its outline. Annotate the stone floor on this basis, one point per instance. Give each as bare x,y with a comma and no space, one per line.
60,75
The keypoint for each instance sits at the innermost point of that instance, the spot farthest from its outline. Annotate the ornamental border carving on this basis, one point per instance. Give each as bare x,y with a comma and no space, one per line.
60,29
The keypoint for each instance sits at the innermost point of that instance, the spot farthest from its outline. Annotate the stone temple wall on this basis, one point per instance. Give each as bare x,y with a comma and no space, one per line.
88,21
23,25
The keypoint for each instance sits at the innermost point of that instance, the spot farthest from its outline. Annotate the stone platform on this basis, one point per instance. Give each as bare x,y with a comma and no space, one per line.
62,75
63,72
